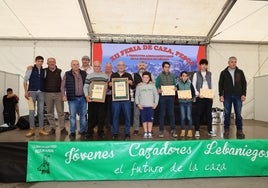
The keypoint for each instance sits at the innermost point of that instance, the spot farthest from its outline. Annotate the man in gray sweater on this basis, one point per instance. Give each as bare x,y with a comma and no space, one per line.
96,110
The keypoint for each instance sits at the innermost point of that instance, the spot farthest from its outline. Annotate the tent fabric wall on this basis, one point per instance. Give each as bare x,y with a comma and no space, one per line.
260,102
16,55
251,58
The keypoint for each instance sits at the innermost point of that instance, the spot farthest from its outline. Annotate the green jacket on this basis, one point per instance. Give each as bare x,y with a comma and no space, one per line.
165,79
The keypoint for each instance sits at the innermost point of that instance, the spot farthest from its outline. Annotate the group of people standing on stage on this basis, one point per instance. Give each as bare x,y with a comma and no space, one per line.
51,87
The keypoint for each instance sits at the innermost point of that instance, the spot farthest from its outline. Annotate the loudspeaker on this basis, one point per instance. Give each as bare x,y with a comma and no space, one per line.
23,123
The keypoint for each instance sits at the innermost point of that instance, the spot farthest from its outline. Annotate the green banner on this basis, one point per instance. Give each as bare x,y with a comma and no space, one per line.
134,160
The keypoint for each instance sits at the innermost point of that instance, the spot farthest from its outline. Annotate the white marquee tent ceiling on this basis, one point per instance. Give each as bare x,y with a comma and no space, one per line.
172,21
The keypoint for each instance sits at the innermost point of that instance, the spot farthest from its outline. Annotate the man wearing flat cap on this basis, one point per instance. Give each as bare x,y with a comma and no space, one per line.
86,64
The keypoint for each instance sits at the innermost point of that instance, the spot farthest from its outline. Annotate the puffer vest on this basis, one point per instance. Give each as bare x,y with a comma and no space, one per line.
70,84
37,79
199,80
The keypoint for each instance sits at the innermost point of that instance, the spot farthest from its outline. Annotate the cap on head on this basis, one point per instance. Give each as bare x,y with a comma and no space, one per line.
9,89
85,57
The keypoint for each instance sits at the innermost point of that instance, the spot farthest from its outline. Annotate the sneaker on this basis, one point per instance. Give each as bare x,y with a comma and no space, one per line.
161,134
240,134
72,136
150,135
182,133
212,134
190,133
145,135
174,134
226,134
136,132
127,137
43,132
30,133
197,134
64,132
52,131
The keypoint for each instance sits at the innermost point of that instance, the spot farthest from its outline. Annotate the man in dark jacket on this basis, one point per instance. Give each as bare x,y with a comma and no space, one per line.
10,104
72,91
121,105
232,90
53,98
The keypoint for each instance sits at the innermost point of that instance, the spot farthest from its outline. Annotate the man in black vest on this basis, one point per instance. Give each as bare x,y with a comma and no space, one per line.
53,96
72,91
137,79
34,92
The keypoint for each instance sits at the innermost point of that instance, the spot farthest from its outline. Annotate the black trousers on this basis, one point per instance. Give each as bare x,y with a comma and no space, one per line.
108,111
96,116
9,118
204,106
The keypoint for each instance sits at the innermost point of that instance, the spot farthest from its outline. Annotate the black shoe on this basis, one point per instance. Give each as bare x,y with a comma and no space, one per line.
101,135
240,134
52,131
83,135
127,137
72,136
89,135
226,134
64,132
136,132
108,128
115,136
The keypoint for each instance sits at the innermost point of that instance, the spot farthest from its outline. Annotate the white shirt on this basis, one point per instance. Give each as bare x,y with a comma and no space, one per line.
205,83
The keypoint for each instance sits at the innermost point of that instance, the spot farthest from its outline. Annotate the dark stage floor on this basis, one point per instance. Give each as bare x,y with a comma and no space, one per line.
253,130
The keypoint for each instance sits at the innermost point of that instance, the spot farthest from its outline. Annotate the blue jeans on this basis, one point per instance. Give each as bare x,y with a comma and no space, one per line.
37,96
78,106
186,113
116,108
236,101
166,103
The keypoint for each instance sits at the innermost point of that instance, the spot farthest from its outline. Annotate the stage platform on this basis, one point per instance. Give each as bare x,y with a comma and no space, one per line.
13,144
253,130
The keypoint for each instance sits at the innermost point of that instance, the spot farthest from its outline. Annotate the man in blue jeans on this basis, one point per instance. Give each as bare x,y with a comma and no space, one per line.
34,82
232,90
72,91
166,102
124,105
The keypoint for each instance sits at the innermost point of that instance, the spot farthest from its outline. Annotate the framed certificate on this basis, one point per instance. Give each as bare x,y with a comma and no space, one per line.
120,89
168,90
97,91
184,94
207,93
